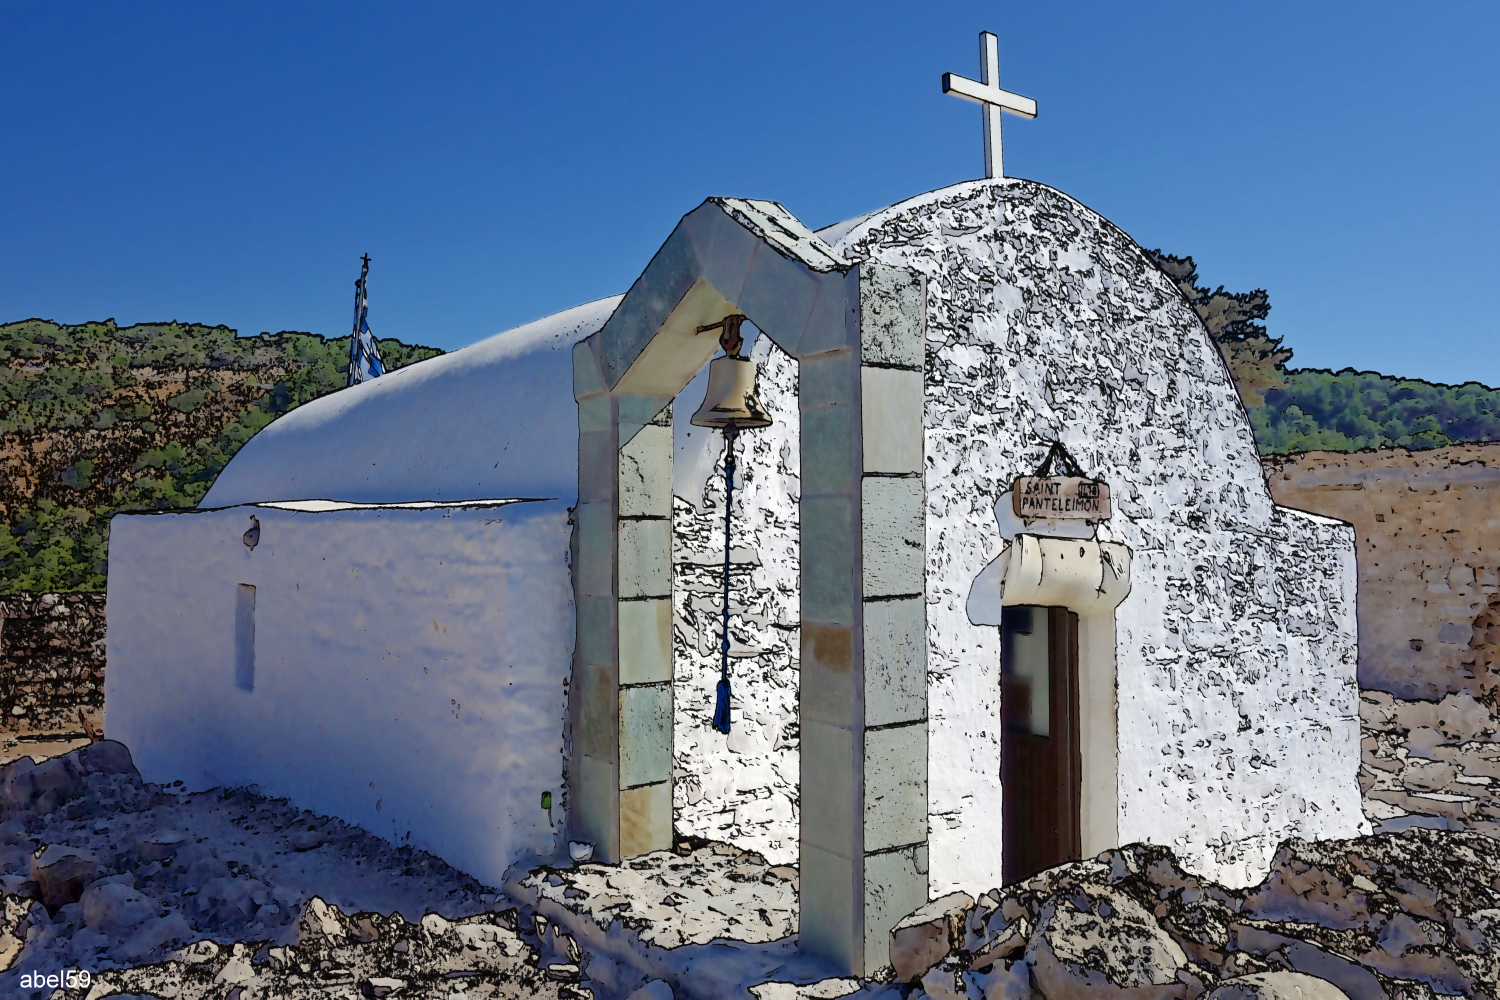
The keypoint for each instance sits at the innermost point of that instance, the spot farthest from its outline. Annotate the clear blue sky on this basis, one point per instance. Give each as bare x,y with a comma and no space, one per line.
228,163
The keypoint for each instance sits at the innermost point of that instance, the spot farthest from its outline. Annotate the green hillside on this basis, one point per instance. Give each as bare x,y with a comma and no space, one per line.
97,418
1319,410
1312,409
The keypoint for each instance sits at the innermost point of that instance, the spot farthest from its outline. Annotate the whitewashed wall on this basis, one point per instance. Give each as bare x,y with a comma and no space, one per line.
1237,719
410,666
1236,648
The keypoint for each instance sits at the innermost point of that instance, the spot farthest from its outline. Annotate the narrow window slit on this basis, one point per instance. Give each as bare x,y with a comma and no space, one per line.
244,637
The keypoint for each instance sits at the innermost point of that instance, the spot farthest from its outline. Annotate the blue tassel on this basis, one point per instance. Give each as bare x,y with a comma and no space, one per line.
721,707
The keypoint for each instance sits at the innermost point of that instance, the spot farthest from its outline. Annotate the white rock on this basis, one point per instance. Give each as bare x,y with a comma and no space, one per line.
1114,949
1277,986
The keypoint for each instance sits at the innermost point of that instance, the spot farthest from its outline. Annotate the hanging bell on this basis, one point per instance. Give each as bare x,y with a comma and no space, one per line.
731,396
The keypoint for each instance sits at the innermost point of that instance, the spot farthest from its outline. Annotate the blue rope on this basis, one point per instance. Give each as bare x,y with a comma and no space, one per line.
721,703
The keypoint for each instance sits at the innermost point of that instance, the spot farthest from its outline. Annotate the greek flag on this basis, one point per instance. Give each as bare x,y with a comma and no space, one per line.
364,356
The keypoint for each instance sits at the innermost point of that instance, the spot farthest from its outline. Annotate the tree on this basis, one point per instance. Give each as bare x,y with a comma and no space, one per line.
1256,360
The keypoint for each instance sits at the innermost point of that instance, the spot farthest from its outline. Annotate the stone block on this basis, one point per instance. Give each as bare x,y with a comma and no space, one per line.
645,734
642,408
828,765
901,928
723,247
594,524
895,786
828,380
596,630
588,380
645,641
645,559
830,457
649,302
599,714
827,905
595,413
826,679
895,635
827,555
593,801
645,819
778,295
894,536
892,312
598,464
927,935
833,323
891,420
646,473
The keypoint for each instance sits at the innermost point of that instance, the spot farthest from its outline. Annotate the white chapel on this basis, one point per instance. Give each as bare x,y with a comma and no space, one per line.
478,601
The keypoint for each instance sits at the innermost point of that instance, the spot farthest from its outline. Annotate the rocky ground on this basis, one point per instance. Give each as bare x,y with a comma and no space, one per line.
103,871
231,896
359,955
696,894
1430,764
1402,915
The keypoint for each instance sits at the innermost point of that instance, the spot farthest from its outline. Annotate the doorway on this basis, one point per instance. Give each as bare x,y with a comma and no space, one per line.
1041,765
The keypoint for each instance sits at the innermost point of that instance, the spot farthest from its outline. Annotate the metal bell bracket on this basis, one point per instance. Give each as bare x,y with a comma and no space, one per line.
729,336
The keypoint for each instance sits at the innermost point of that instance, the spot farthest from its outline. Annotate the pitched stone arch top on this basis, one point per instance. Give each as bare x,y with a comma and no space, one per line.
856,332
728,255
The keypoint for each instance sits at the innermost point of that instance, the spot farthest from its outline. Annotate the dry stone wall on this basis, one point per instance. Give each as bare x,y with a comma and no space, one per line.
51,659
1428,524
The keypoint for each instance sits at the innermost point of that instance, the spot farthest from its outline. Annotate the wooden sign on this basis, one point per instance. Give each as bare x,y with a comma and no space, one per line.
1044,498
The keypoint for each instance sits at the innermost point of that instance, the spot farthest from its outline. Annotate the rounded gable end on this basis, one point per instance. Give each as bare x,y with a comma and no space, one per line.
494,419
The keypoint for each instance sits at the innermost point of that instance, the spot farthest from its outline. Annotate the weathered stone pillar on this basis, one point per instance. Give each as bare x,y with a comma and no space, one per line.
622,724
857,332
863,676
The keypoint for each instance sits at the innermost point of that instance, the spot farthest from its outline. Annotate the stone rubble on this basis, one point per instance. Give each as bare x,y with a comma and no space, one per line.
100,870
696,894
360,955
212,895
1430,764
1398,915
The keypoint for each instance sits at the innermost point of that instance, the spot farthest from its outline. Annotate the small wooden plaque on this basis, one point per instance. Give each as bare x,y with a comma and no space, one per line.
1045,498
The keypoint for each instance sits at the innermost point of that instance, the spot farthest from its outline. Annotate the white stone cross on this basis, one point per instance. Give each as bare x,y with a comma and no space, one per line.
991,98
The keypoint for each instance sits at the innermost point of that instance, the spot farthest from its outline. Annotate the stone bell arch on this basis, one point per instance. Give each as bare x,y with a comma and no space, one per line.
857,331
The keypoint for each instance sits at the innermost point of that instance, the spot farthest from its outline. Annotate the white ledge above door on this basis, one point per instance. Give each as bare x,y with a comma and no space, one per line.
1082,575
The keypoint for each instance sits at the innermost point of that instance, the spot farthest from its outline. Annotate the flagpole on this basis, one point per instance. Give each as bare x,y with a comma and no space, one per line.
364,356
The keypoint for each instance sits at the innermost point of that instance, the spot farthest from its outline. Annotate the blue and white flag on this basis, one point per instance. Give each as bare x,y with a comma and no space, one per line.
364,356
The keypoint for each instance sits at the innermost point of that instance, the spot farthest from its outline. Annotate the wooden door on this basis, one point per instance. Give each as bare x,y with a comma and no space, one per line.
1040,763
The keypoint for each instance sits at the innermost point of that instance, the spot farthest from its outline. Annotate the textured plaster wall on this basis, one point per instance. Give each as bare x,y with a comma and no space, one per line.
742,788
1238,719
410,666
1235,650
